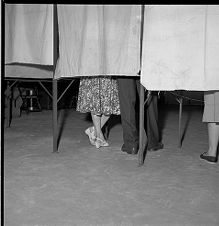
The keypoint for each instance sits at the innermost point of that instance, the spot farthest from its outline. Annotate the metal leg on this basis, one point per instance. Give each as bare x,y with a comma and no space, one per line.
55,118
54,81
141,128
180,100
38,103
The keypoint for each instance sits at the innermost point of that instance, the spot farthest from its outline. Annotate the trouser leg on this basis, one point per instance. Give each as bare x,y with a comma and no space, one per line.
127,98
152,129
151,119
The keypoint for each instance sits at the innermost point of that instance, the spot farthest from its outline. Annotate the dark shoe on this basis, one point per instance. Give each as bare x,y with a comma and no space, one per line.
130,150
157,147
208,158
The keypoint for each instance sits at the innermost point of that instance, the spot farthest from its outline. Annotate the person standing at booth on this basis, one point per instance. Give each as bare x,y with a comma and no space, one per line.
128,93
211,116
99,96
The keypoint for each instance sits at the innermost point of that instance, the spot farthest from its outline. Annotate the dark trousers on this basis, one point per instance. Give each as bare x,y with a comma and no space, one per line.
129,106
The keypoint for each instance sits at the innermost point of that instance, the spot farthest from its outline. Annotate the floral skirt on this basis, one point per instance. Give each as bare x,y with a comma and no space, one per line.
98,95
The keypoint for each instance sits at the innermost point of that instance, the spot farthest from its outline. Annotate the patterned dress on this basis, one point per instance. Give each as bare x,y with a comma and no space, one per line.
98,95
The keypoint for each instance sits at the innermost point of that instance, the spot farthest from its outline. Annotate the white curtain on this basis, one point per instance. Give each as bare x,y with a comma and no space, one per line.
98,40
181,47
29,33
180,42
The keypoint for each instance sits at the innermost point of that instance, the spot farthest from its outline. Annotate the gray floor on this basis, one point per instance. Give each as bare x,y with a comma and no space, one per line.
84,186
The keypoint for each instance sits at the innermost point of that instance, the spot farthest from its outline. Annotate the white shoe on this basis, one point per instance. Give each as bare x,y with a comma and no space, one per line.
90,133
101,143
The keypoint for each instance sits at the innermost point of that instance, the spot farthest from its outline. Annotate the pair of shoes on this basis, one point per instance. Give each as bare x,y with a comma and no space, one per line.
100,143
131,150
208,158
157,147
90,132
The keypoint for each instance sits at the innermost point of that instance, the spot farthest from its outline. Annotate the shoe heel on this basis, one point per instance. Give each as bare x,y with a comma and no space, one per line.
97,144
101,143
90,135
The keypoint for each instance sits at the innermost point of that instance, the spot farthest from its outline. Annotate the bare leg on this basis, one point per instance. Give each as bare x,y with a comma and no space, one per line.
100,141
213,138
98,123
97,126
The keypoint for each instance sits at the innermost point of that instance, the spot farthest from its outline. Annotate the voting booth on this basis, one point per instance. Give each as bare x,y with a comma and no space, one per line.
174,47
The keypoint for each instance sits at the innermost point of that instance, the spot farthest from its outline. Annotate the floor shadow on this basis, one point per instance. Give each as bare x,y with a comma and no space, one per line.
62,114
113,121
183,132
88,117
186,116
162,115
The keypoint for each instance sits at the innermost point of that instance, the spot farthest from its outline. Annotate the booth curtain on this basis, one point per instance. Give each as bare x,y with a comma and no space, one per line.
181,47
29,33
98,40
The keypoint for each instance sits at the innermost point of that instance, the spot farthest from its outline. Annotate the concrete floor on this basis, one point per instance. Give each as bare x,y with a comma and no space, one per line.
81,186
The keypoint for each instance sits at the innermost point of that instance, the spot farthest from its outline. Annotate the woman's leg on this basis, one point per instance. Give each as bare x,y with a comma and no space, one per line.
97,125
103,119
100,140
95,131
213,138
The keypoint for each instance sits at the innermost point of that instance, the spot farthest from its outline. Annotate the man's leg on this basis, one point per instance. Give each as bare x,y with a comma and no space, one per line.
152,128
151,121
127,99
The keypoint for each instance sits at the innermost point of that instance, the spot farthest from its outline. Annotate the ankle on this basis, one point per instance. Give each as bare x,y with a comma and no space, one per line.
212,152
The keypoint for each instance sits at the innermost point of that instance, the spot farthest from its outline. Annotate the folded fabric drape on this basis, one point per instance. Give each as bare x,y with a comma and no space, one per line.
98,40
29,33
181,47
180,42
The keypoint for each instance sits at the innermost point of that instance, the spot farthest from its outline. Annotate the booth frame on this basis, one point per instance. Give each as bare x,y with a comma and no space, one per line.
55,99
